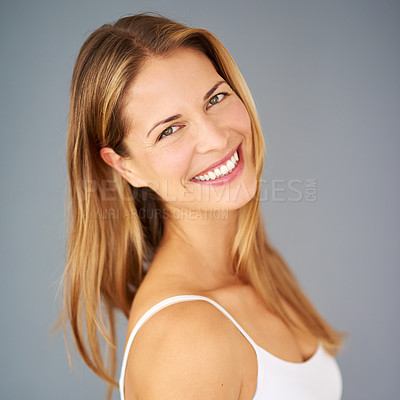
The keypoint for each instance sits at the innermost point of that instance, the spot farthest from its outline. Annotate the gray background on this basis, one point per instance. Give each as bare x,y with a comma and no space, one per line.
325,77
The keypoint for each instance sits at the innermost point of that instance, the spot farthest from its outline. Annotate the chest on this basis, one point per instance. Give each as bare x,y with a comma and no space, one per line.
266,329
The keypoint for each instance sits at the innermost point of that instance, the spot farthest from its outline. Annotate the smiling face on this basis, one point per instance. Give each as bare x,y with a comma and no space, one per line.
189,134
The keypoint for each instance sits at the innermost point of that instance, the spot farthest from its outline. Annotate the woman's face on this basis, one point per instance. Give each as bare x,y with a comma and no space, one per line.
185,123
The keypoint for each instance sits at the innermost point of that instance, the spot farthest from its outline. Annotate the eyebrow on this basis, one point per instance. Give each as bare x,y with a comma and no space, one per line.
212,90
175,117
164,121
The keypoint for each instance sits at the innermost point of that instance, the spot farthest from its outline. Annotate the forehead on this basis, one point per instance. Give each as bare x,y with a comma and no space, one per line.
181,66
167,82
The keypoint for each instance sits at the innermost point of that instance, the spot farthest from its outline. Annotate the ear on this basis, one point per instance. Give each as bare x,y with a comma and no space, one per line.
122,166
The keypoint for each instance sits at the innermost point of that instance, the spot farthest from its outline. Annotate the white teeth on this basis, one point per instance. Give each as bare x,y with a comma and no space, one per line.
221,171
212,175
224,169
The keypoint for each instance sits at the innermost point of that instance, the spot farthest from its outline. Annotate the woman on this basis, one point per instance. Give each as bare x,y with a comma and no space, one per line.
165,154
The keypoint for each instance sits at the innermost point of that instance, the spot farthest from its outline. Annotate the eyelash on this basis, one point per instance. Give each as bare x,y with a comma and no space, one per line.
177,126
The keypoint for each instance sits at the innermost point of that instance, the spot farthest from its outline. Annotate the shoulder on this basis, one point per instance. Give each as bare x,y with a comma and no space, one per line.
186,350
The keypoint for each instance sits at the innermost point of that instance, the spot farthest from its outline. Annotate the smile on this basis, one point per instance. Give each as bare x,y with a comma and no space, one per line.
224,172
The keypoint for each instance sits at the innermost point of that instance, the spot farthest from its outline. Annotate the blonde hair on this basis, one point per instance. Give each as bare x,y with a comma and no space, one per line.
110,240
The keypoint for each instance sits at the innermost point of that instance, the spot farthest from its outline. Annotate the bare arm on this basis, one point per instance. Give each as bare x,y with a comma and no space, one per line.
185,351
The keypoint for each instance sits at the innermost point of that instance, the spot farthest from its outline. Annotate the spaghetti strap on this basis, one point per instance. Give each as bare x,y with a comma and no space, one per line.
159,306
318,377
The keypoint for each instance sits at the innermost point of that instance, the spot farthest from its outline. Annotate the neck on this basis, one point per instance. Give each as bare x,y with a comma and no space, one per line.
197,245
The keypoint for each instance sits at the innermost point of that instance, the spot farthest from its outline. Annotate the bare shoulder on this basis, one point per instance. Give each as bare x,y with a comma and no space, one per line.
184,351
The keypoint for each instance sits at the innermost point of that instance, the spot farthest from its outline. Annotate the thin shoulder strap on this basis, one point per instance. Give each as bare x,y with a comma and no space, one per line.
159,306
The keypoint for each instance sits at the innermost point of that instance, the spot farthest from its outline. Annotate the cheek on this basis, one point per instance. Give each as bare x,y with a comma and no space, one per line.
240,118
168,163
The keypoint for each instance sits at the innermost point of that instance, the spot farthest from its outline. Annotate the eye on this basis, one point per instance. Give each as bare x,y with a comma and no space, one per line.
169,131
216,99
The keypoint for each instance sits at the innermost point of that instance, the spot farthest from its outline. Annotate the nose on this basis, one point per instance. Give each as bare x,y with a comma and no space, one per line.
211,135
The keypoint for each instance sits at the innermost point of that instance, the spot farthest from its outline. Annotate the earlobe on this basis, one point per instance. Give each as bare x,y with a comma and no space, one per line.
119,163
133,178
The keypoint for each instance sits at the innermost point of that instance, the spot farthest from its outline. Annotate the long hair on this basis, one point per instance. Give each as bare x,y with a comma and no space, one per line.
114,229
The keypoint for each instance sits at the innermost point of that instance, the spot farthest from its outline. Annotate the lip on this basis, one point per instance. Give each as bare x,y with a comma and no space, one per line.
226,178
213,166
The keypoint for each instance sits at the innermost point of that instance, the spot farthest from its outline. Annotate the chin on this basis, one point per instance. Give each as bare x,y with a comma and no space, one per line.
232,198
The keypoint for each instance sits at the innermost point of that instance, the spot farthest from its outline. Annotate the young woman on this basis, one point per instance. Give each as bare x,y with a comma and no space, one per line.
165,155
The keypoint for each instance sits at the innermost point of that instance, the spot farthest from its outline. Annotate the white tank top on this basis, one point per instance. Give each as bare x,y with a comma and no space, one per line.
318,378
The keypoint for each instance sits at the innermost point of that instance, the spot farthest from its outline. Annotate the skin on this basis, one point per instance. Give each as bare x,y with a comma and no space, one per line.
205,133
